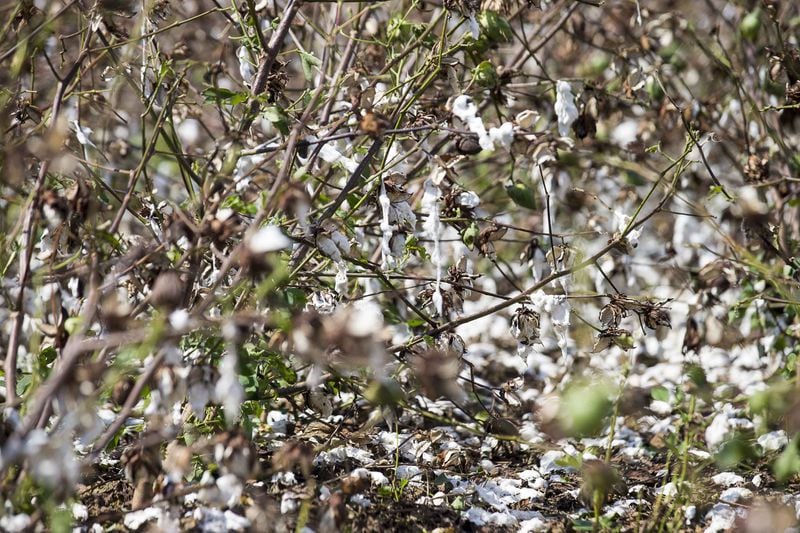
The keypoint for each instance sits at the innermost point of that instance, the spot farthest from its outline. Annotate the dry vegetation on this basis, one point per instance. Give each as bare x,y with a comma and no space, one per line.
440,265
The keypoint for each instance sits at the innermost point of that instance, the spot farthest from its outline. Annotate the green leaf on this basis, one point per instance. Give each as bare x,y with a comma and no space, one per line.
495,27
458,504
468,237
522,195
788,463
484,74
584,407
23,383
240,206
570,461
734,452
60,519
581,524
384,393
295,298
308,61
72,324
224,96
415,322
660,394
278,118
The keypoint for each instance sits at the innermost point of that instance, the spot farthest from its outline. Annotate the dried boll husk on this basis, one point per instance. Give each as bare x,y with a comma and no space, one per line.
294,454
168,291
236,454
142,466
601,481
437,372
122,388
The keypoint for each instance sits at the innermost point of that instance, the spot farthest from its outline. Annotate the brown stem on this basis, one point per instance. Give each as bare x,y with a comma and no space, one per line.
264,70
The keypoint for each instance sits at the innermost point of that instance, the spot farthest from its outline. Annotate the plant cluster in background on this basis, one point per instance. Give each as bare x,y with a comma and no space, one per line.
309,264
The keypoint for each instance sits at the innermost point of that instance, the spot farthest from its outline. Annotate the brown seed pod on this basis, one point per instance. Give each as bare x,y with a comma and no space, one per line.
525,325
236,454
167,292
437,372
601,481
611,315
122,388
373,124
294,454
468,145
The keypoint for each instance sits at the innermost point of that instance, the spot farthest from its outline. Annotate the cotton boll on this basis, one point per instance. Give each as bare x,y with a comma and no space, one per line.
189,131
329,248
340,281
229,391
246,68
565,108
464,107
625,133
82,133
527,118
269,239
504,135
468,199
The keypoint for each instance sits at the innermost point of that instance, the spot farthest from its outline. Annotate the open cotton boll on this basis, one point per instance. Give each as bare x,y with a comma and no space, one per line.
269,239
228,390
340,281
623,221
565,108
246,68
504,135
469,200
367,319
465,109
331,155
82,133
188,131
527,118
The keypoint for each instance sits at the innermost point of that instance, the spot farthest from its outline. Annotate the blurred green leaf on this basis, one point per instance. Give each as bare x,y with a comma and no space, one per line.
221,95
735,452
308,62
660,394
584,407
484,74
522,195
787,464
495,27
